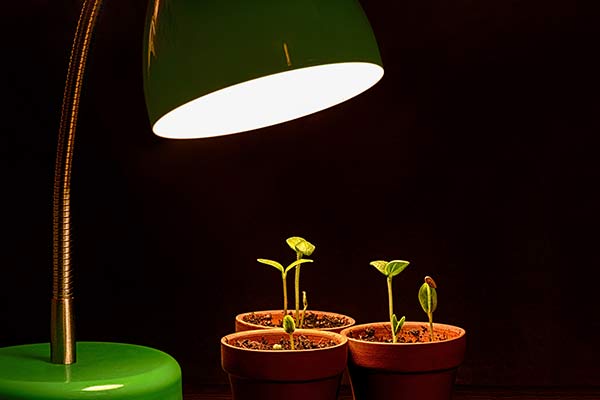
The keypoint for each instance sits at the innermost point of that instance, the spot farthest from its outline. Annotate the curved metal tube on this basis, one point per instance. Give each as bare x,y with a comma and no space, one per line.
62,332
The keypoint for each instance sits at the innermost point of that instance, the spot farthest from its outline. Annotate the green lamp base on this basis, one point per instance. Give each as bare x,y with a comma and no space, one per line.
110,371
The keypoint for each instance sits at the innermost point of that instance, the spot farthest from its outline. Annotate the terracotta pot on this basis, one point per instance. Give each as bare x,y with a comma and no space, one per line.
424,371
241,325
284,374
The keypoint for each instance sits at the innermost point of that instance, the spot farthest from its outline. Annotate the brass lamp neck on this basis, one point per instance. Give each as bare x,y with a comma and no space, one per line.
62,336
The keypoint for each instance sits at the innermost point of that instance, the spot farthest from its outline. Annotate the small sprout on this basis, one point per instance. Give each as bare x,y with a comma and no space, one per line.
277,346
288,324
391,269
284,272
428,300
301,247
305,304
289,327
396,327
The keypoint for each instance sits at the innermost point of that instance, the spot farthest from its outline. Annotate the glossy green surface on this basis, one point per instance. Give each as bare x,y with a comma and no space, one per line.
196,47
110,371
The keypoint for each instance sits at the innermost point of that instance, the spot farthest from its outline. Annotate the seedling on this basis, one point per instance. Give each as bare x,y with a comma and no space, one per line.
305,304
428,300
302,247
391,269
396,327
284,272
289,327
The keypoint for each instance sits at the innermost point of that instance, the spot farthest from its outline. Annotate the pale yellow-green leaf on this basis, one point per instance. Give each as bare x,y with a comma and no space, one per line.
271,263
380,265
305,247
293,241
300,245
297,262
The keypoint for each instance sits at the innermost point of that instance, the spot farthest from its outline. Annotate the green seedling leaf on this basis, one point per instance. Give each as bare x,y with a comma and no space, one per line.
271,263
301,245
433,299
288,324
293,241
305,248
428,298
397,325
394,267
401,323
297,262
424,297
380,265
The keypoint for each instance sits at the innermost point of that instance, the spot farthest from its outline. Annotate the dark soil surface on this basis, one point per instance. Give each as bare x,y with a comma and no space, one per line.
315,321
259,319
311,320
406,335
301,342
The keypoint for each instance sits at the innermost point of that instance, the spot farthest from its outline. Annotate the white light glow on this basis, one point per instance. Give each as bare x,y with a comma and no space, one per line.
100,388
268,101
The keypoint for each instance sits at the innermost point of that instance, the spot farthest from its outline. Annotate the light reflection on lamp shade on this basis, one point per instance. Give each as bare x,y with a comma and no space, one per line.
268,100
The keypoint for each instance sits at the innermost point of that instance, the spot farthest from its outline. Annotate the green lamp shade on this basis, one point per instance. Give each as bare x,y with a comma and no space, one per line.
108,371
216,67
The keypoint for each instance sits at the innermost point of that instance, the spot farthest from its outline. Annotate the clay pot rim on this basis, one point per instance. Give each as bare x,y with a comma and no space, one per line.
343,340
350,323
462,333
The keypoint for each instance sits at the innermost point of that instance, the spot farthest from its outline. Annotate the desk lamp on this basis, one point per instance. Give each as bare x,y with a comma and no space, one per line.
210,67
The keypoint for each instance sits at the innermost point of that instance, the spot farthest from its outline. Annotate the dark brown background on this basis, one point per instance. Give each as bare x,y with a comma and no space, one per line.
476,158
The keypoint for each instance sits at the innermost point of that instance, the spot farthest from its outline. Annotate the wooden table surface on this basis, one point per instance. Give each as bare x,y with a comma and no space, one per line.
460,393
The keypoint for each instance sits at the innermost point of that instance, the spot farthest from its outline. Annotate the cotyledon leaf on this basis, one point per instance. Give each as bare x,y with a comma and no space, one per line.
428,298
297,262
394,267
301,245
293,241
380,265
288,324
271,263
397,325
305,247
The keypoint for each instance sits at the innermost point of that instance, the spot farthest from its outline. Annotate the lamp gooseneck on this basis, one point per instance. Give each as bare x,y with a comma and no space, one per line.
62,332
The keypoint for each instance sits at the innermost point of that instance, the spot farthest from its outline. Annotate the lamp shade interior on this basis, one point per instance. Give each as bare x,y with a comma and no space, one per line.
216,68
